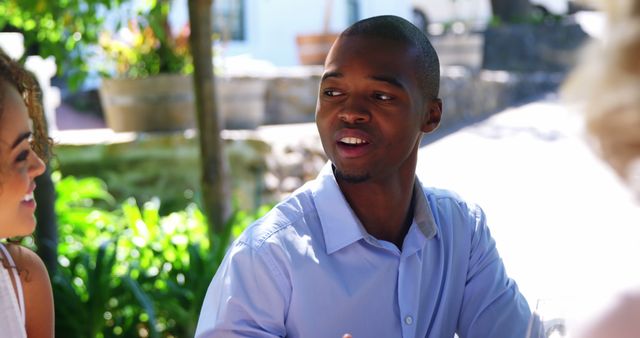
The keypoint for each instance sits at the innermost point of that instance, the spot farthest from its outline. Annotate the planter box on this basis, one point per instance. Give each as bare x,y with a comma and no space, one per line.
158,103
166,103
241,101
292,98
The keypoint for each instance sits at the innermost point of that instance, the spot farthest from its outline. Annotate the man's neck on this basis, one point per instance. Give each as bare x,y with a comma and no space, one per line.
385,209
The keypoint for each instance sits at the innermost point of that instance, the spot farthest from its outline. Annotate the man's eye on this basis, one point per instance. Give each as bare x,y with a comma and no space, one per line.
331,92
22,156
382,96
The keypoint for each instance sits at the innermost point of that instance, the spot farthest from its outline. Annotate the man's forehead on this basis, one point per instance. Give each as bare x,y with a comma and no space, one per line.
374,41
383,60
358,48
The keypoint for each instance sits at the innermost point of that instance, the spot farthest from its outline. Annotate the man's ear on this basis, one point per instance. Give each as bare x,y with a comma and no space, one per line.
432,116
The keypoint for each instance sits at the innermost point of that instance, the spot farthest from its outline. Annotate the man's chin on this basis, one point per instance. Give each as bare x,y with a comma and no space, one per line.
351,177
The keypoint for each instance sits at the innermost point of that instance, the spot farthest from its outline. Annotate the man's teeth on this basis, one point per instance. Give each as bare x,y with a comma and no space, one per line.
352,140
28,197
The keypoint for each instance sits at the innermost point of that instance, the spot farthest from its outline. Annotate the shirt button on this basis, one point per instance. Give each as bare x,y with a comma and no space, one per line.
408,320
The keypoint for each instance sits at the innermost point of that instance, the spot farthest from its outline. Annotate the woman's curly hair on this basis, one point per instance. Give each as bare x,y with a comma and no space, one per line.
607,81
14,74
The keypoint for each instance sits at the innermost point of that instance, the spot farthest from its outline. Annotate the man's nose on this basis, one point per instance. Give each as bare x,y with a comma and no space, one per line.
355,111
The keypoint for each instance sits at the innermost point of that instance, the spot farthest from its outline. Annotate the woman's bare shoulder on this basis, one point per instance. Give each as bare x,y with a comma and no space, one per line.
28,263
38,295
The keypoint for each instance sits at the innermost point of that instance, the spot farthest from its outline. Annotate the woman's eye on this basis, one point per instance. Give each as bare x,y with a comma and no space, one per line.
331,92
22,156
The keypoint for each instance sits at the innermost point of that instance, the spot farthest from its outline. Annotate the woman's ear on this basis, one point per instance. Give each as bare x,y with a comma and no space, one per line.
432,116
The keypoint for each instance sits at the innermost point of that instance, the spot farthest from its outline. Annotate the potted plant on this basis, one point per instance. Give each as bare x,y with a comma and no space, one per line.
314,47
145,83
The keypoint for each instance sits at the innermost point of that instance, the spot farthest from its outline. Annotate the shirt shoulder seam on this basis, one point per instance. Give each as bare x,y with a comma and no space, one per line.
257,243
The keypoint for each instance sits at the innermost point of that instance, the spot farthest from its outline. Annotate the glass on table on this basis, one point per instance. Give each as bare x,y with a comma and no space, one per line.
548,320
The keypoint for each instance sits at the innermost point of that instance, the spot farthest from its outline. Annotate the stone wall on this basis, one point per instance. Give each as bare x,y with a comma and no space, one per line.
263,164
472,95
546,47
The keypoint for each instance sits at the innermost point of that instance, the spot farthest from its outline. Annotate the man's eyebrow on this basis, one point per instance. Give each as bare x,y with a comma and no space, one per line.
388,79
21,138
383,78
331,74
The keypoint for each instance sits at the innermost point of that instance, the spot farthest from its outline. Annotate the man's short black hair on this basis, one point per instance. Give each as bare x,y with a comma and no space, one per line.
398,29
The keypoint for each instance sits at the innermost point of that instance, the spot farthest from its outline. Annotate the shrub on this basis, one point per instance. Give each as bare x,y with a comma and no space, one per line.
126,271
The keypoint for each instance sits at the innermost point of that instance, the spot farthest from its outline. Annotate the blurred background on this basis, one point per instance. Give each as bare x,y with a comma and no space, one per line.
126,227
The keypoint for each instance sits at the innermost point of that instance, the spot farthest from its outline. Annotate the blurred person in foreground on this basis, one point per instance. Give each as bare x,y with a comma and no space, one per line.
366,248
26,301
607,82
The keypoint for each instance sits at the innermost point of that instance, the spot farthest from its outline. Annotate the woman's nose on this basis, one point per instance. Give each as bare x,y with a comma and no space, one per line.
37,166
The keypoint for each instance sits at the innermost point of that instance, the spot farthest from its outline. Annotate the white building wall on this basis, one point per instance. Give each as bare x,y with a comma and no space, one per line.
271,26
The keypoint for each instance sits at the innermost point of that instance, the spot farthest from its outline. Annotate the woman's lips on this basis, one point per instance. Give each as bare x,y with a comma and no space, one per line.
28,200
31,204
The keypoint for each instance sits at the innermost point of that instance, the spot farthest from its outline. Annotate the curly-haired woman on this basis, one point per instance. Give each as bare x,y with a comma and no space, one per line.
26,302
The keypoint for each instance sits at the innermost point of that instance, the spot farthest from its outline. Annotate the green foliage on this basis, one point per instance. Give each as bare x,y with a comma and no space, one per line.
533,18
72,31
63,29
495,21
127,271
147,46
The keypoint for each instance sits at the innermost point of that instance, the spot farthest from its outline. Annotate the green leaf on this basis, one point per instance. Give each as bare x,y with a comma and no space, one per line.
145,301
158,284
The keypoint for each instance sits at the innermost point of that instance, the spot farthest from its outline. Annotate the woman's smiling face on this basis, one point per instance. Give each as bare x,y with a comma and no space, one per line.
19,165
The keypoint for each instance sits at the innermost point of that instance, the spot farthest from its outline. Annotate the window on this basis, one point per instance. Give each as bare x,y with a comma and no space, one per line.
228,19
353,11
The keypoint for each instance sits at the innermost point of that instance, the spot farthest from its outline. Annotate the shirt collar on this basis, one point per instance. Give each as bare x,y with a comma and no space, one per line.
422,215
340,225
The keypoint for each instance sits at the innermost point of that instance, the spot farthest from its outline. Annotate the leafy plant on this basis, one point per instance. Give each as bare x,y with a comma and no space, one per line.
127,271
145,44
64,29
73,32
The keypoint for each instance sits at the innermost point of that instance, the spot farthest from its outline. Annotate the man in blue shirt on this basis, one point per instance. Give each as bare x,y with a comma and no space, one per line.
365,248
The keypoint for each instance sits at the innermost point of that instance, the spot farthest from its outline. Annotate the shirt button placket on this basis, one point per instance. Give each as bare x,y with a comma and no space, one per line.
408,281
408,320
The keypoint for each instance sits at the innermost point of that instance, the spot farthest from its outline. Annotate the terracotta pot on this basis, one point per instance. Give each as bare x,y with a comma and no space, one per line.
313,48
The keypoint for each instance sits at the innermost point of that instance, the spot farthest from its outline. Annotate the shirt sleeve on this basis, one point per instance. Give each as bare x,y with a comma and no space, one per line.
492,306
247,297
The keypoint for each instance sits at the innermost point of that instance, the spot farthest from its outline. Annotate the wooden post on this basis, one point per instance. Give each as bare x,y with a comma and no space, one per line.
214,192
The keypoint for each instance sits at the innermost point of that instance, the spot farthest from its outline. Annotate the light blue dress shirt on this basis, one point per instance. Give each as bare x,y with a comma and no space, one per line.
309,269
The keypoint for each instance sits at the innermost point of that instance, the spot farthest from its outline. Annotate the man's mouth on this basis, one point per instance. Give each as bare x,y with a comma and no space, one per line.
353,141
352,146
